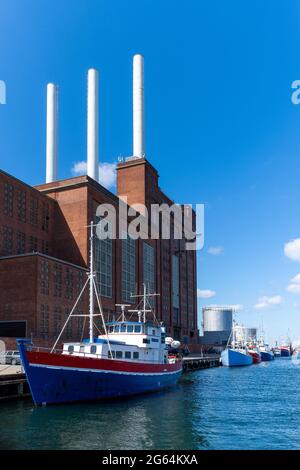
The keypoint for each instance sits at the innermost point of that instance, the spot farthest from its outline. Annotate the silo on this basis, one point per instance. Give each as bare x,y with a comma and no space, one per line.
217,318
217,325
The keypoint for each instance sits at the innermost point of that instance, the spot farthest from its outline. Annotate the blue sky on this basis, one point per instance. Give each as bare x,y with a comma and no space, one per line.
220,125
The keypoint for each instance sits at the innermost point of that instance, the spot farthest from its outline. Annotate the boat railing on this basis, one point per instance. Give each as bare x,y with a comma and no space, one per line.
92,355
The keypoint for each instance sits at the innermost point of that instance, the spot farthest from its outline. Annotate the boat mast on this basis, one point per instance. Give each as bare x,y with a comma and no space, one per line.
91,279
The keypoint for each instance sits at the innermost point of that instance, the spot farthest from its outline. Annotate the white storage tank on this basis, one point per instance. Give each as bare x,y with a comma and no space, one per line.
217,318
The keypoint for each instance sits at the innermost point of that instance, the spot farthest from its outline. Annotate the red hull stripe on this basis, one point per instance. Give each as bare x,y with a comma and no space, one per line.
64,360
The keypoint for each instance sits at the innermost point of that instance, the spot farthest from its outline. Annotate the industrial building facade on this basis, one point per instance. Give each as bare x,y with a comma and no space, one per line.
44,246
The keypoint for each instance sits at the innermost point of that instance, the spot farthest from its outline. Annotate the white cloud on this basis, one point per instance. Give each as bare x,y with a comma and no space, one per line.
294,286
205,293
215,250
267,302
292,249
107,172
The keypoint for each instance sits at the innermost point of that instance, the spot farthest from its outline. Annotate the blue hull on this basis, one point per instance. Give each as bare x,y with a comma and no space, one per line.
234,358
266,356
285,353
50,386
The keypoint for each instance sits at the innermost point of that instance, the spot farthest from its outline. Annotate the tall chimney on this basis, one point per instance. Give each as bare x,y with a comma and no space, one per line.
52,133
93,125
138,106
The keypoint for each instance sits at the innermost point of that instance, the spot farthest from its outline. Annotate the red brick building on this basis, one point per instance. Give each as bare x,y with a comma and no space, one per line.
44,246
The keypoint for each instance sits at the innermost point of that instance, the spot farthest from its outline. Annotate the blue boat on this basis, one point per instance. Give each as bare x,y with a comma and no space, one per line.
129,358
236,357
266,356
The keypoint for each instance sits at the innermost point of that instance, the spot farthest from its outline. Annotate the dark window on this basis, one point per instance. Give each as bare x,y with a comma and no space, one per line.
33,244
33,211
21,243
111,354
135,355
93,349
119,354
44,321
7,240
123,328
127,355
45,216
57,324
71,349
13,329
45,277
8,199
69,283
130,329
22,206
137,329
57,274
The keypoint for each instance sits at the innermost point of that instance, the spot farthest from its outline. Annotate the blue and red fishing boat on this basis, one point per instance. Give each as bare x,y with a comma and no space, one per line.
129,358
235,354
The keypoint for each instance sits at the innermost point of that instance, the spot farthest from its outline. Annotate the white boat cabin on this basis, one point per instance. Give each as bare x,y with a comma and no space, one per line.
127,341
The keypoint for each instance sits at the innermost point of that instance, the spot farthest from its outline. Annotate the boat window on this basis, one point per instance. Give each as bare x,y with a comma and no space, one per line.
153,332
117,329
123,328
93,349
111,354
110,329
127,355
71,349
129,328
119,354
135,355
137,328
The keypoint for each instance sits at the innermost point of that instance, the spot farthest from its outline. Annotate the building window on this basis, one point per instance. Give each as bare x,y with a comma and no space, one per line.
22,206
45,247
45,216
8,199
57,274
7,240
33,244
44,325
68,329
128,269
149,271
33,211
45,277
69,283
57,323
21,243
103,264
79,325
175,289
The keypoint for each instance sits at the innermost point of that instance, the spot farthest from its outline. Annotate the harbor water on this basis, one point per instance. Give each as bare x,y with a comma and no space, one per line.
254,407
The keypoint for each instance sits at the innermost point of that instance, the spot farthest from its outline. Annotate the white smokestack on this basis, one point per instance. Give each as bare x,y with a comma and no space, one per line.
52,133
93,125
138,106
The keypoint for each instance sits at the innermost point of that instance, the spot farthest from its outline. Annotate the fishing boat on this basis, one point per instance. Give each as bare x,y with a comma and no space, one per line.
285,351
266,353
236,354
255,353
129,358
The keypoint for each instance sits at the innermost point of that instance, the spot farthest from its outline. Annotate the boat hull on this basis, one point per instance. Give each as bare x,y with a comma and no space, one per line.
234,358
267,356
285,352
255,356
58,378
